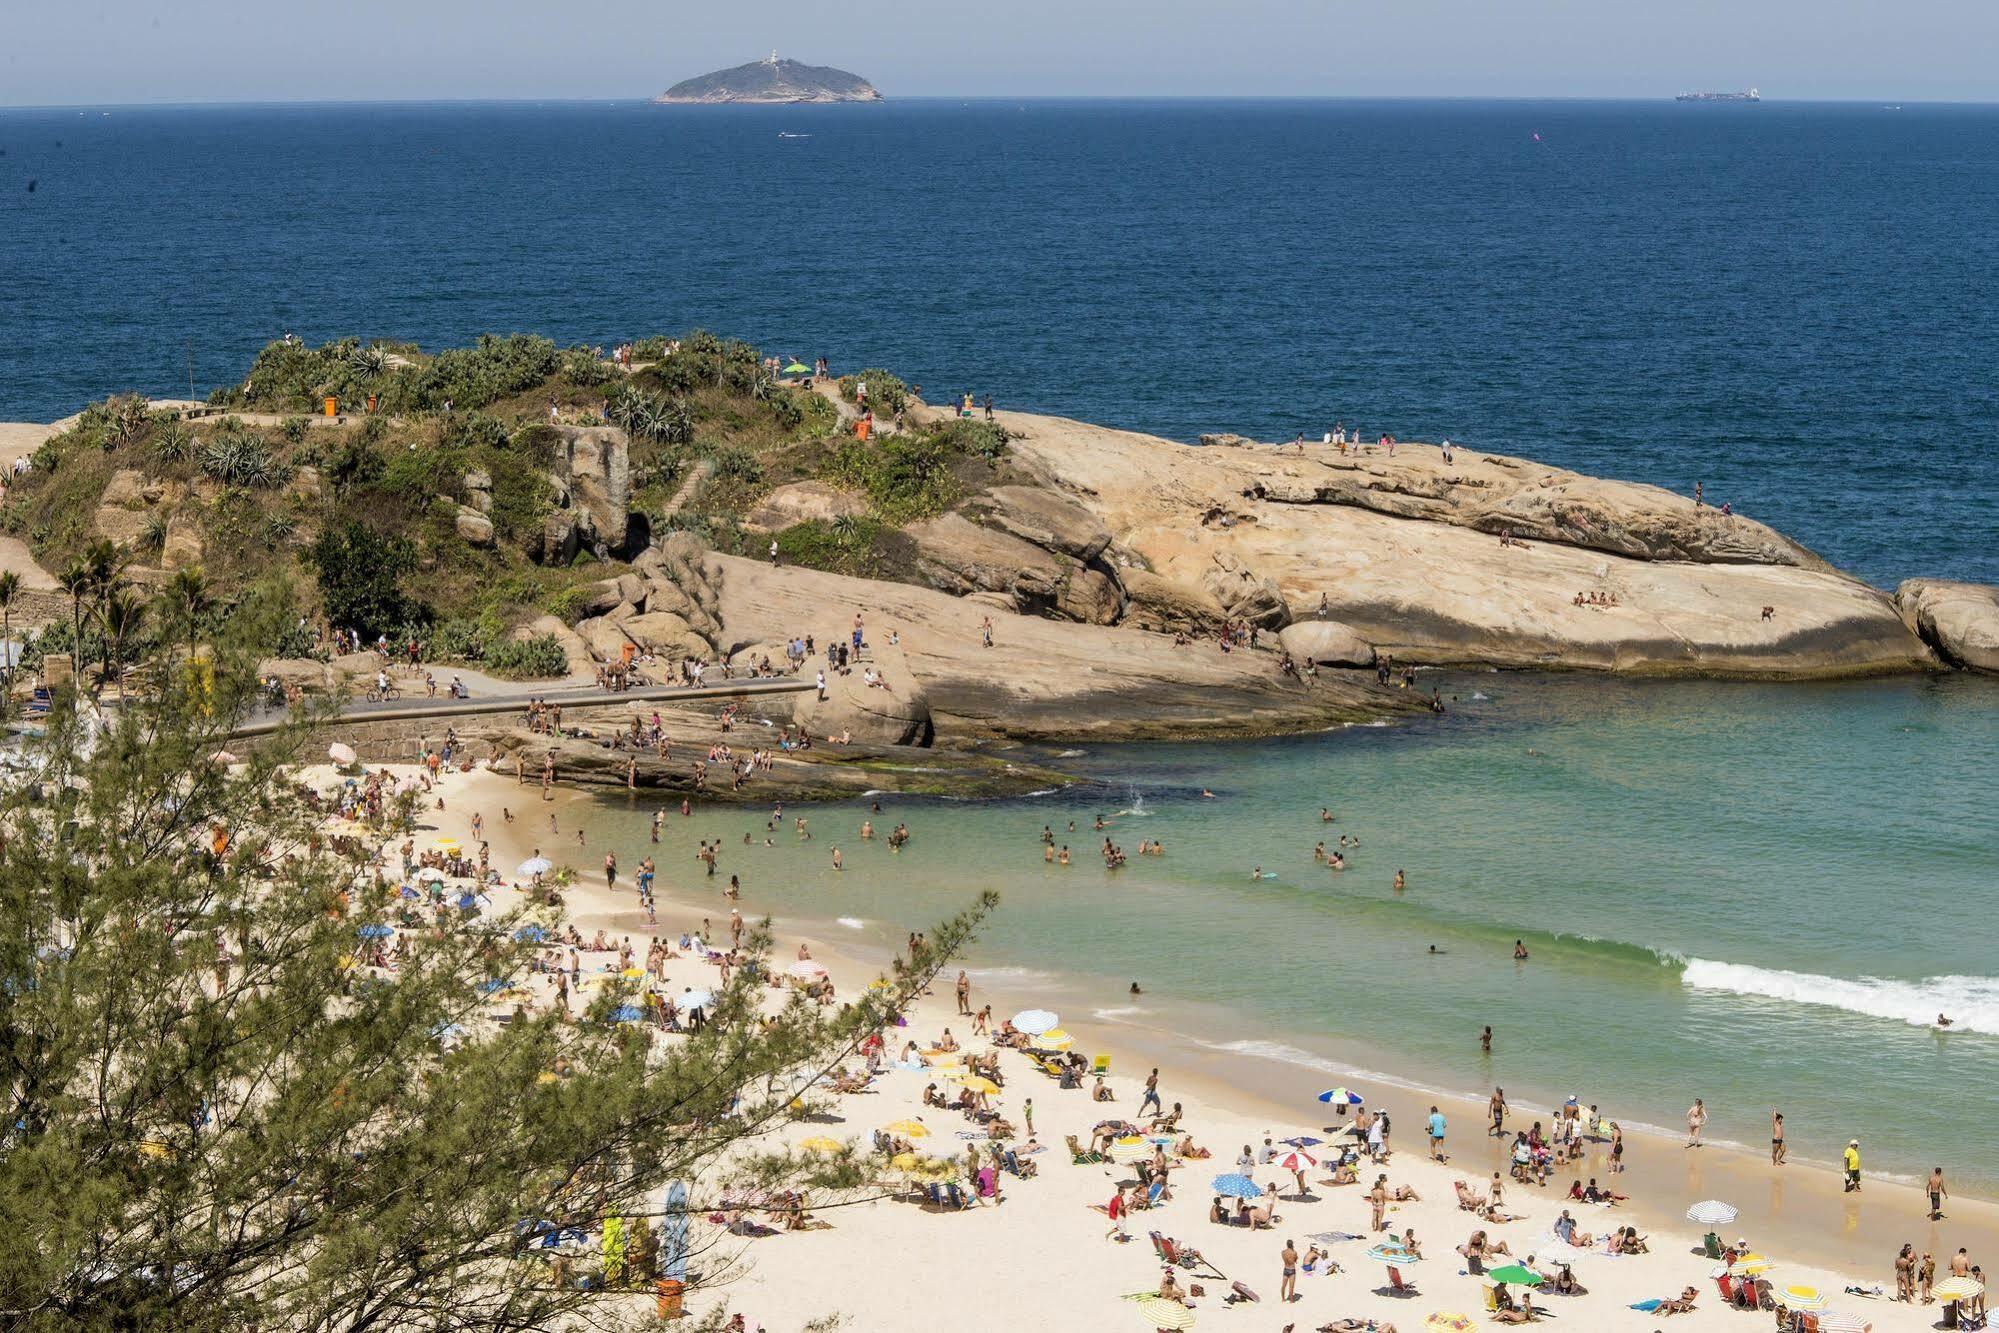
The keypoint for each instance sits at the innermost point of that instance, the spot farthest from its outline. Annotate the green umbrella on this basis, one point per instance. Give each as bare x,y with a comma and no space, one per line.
1516,1275
795,369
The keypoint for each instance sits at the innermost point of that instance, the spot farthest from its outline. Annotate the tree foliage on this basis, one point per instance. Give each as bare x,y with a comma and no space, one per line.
217,1118
361,575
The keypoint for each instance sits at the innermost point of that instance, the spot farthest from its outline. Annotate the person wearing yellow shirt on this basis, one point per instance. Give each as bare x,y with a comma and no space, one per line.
1852,1160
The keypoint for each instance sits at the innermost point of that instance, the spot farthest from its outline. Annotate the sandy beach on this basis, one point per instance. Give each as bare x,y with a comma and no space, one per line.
1044,1253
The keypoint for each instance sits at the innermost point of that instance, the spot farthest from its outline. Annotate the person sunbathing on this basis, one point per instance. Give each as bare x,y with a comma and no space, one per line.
1467,1201
1186,1148
1315,1259
1406,1194
1681,1304
1170,1288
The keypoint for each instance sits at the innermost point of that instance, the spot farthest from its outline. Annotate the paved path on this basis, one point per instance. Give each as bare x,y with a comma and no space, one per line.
424,709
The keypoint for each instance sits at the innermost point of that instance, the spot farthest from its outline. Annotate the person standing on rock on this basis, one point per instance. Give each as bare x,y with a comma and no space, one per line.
822,684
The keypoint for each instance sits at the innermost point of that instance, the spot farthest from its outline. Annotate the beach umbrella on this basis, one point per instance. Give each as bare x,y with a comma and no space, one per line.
1448,1322
1303,1141
534,865
1395,1255
633,973
1158,1312
1055,1039
1296,1160
628,1013
1342,1097
342,755
223,757
906,1161
1839,1321
1749,1265
1958,1289
447,844
697,999
1711,1213
430,875
1802,1297
1517,1275
983,1086
531,934
908,1129
375,932
795,369
820,1143
806,970
1235,1185
1034,1022
673,1235
468,900
1127,1151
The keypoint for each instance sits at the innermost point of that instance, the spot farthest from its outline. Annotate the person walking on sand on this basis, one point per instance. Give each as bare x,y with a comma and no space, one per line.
1377,1201
1777,1138
1151,1097
1497,1109
1696,1118
1436,1127
1850,1159
1287,1290
1937,1193
964,992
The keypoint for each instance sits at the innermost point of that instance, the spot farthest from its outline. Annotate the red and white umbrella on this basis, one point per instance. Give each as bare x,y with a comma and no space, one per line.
1297,1159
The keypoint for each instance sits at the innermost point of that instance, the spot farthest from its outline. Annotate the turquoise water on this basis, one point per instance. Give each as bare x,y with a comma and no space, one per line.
1755,894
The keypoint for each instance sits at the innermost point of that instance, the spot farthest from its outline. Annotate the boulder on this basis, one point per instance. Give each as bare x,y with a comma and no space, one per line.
667,636
1091,597
304,484
1245,596
1327,642
127,488
896,715
631,588
479,490
1959,620
596,465
802,502
183,546
594,599
303,672
1165,605
1048,520
956,555
605,640
354,670
1227,440
473,526
574,650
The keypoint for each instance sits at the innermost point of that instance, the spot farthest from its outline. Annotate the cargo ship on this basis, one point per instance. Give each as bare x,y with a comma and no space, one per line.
1750,96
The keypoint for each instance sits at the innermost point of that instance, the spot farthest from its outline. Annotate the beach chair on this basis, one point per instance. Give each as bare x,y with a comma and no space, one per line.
1101,1065
1080,1155
1492,1299
1711,1246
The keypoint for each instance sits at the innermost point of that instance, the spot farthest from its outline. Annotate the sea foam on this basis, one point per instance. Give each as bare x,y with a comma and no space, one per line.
1971,1003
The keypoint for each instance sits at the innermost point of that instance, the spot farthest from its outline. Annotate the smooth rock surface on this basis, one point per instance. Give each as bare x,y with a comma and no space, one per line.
1959,620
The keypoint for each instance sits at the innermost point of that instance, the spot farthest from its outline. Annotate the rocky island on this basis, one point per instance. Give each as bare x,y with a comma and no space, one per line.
771,81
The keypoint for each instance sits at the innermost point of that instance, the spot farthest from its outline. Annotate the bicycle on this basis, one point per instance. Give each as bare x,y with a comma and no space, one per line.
382,695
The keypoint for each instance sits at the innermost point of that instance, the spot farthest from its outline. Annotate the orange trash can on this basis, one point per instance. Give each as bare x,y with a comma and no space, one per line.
332,406
671,1297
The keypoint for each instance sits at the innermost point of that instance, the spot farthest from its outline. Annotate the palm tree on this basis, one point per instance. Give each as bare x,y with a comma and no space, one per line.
122,614
187,593
10,588
77,580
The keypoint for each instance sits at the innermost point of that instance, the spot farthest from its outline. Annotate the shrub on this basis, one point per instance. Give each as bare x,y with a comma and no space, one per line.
886,393
842,546
293,429
541,655
172,443
907,477
360,578
238,460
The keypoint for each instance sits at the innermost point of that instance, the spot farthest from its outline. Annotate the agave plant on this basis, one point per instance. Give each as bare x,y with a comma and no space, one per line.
368,363
239,460
172,444
153,536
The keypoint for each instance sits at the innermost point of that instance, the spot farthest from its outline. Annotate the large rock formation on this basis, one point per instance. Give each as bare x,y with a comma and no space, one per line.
592,482
801,502
1959,620
772,81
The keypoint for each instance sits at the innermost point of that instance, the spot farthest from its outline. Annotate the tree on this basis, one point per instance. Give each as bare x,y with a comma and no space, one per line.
287,1139
78,580
122,615
10,588
187,598
360,578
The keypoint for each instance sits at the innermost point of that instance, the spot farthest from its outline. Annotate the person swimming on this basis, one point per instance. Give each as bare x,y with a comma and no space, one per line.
1519,949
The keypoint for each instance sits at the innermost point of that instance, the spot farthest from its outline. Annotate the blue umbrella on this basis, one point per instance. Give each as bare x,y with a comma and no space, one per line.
1236,1186
491,984
1342,1097
1304,1141
531,934
375,932
468,901
673,1236
627,1013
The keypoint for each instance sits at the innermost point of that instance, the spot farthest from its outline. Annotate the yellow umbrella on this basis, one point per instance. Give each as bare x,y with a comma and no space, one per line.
1130,1150
446,844
1802,1297
1749,1265
154,1148
1957,1289
820,1143
906,1161
976,1083
1055,1039
633,972
1448,1322
908,1129
1158,1312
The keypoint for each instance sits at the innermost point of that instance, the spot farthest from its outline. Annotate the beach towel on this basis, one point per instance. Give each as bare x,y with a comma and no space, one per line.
1648,1306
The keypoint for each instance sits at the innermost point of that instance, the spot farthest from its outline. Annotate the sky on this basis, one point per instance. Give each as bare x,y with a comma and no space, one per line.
118,52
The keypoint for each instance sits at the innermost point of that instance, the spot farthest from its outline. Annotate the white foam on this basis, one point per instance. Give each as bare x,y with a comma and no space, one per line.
1044,791
1070,754
1971,1003
1120,1011
850,922
1010,974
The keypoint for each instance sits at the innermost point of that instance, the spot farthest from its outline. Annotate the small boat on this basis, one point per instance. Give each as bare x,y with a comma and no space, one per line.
1751,96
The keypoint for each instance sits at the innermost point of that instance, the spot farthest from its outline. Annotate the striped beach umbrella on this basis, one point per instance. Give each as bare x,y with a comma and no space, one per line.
1841,1321
1445,1321
1342,1097
1802,1297
1394,1254
1055,1039
1296,1160
1034,1022
1158,1312
1127,1151
1958,1289
1711,1213
1750,1265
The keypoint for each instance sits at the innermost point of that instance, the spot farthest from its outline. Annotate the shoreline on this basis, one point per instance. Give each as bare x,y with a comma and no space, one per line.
1781,1208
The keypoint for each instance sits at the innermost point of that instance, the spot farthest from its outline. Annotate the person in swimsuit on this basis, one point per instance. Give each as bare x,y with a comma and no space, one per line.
1776,1138
1287,1291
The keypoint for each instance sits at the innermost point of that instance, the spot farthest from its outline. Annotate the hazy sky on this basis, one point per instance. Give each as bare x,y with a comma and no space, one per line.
55,52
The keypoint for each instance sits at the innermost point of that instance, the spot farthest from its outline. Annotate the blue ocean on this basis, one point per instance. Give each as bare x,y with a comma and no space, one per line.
1790,303
1765,889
